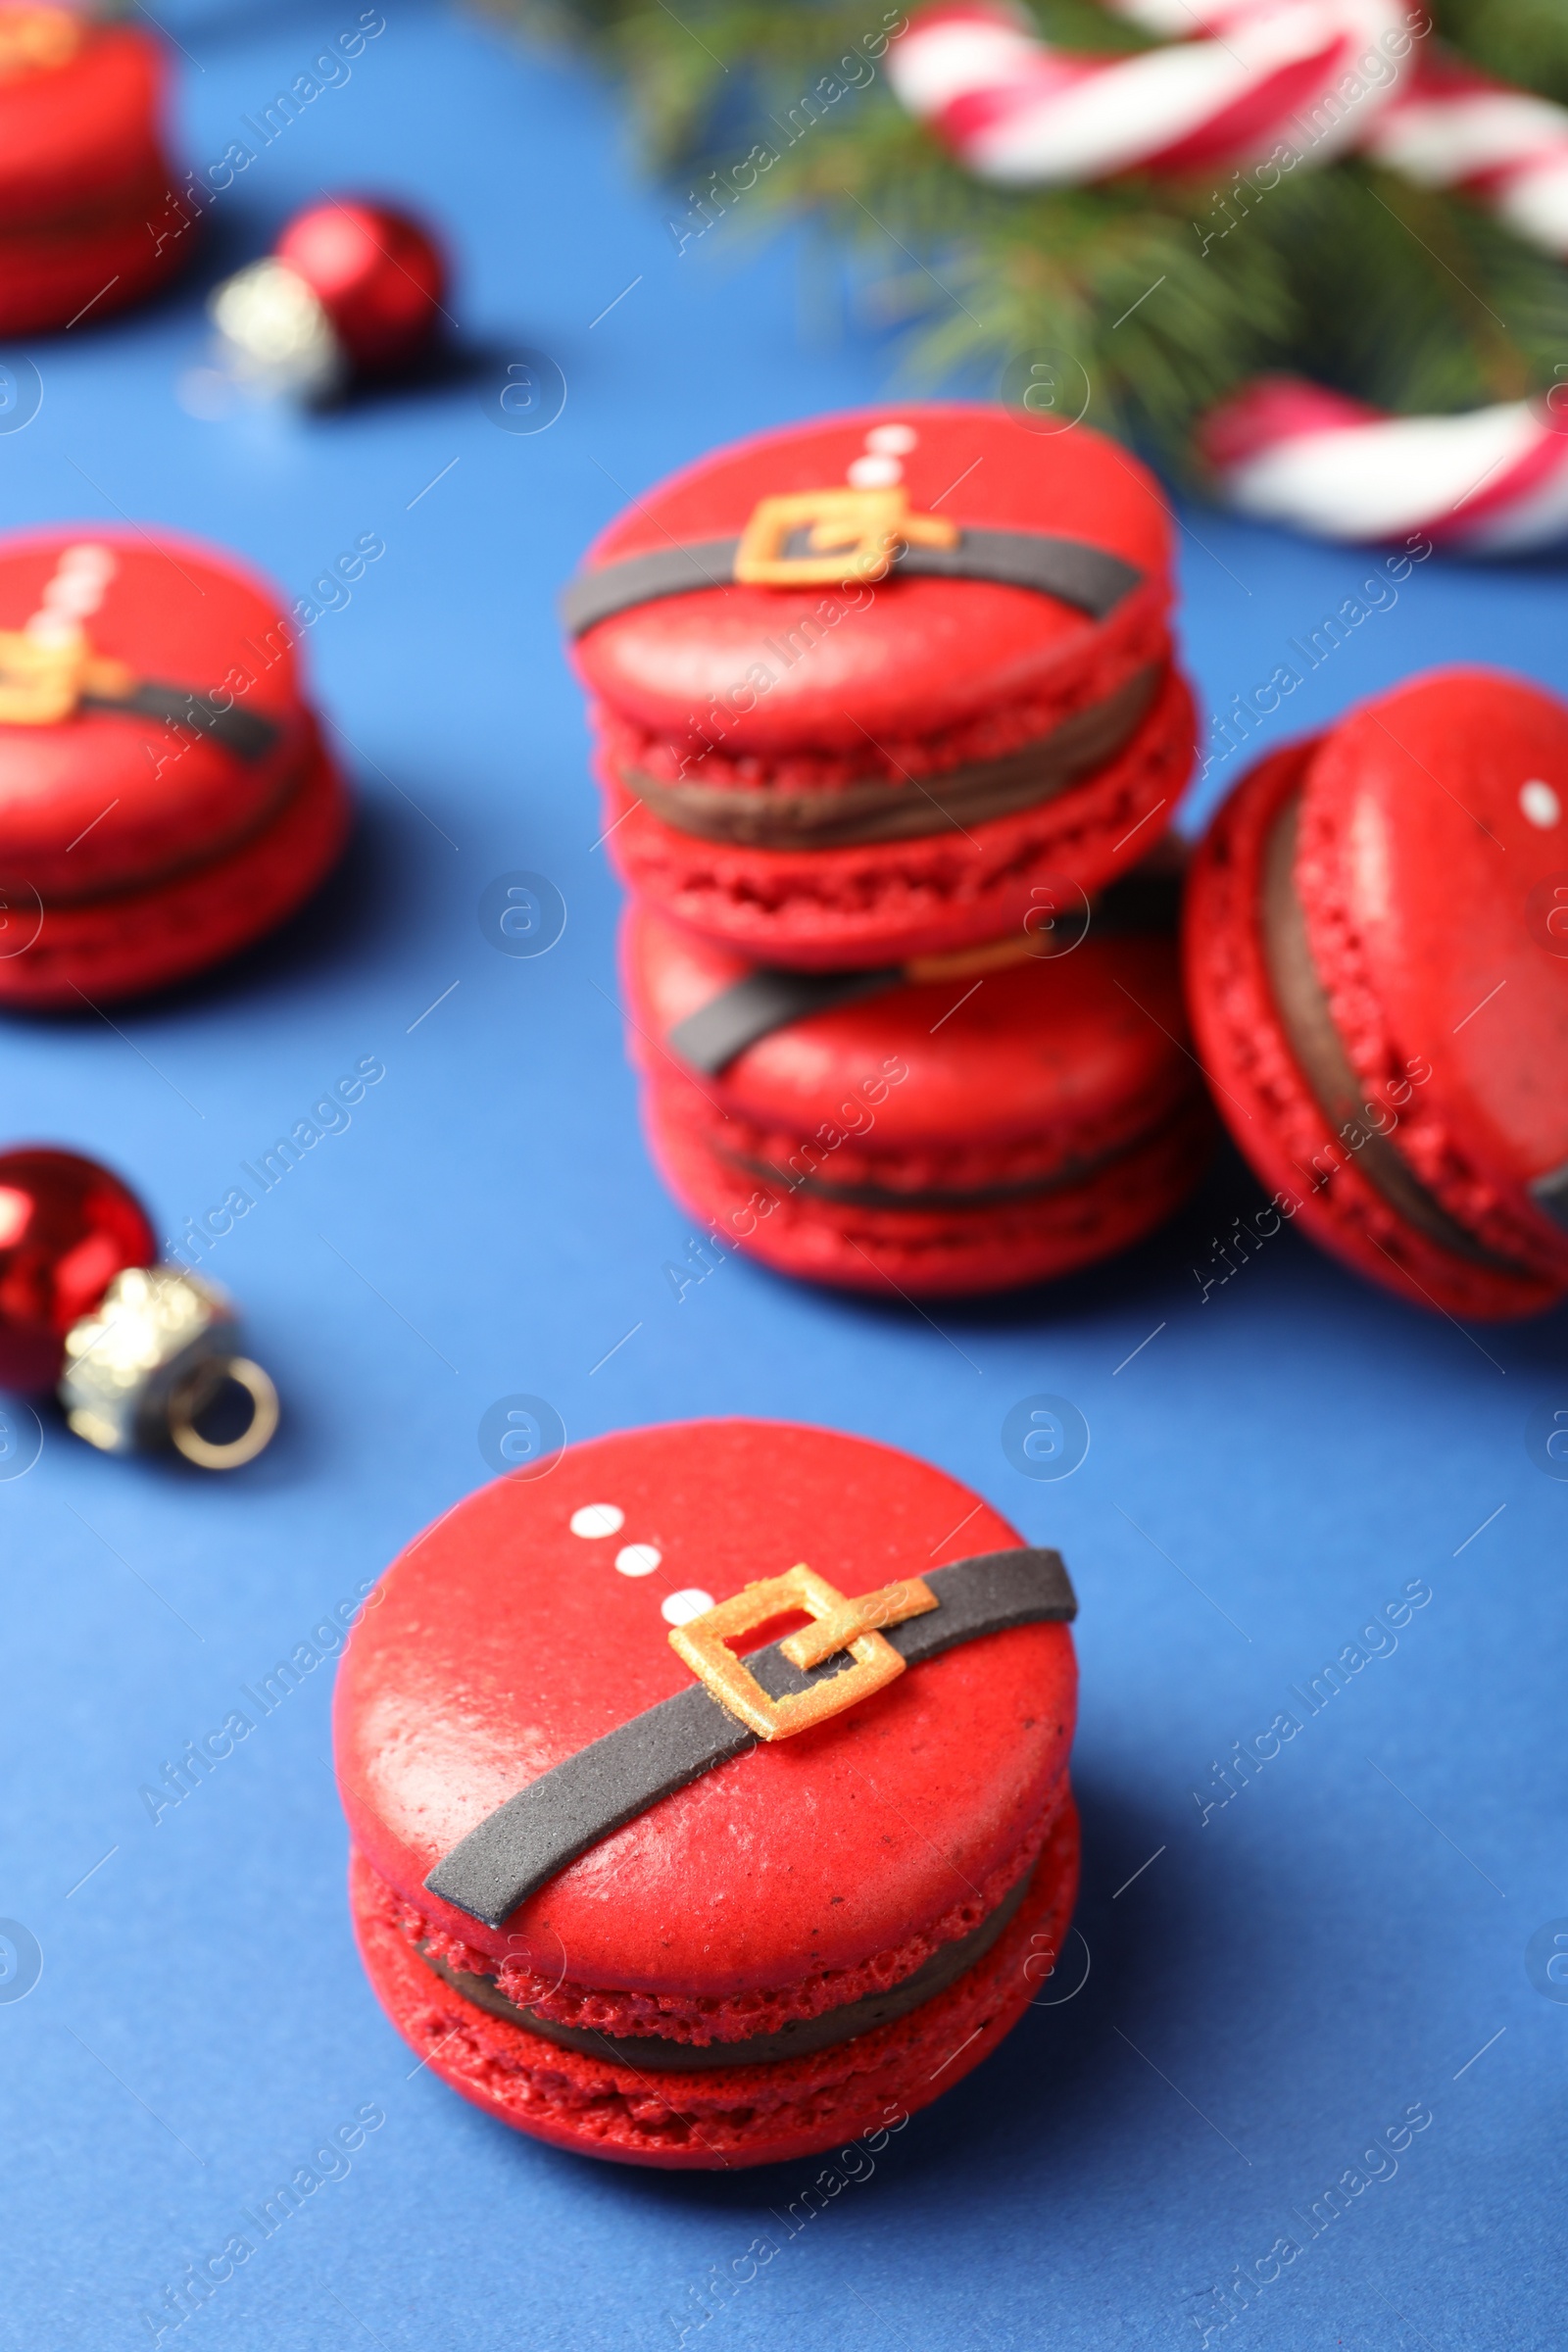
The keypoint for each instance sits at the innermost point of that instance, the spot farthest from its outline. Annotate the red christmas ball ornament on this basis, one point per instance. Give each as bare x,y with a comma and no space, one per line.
351,288
139,1353
67,1228
378,275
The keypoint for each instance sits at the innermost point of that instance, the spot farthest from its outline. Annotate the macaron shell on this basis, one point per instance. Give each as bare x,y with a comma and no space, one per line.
88,268
929,1253
135,940
1069,1055
71,135
917,657
1263,1095
502,1642
735,2117
1416,862
106,799
846,908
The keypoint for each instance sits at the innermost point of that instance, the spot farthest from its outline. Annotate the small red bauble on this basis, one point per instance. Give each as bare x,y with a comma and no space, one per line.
67,1228
349,288
378,275
137,1352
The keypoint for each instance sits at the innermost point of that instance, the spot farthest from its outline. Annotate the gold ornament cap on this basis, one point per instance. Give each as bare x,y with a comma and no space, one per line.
147,1365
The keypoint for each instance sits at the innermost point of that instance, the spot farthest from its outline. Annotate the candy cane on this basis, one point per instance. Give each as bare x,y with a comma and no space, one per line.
1452,127
1316,77
1493,482
1017,111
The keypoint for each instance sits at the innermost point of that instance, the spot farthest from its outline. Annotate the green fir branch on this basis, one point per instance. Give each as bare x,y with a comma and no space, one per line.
1166,295
1523,41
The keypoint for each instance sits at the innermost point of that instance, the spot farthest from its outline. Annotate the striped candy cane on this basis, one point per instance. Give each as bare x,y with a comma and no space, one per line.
1318,77
1017,111
1452,127
1494,481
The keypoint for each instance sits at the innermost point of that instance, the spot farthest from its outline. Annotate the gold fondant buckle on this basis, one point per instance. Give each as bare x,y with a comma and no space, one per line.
851,535
43,678
839,1624
34,39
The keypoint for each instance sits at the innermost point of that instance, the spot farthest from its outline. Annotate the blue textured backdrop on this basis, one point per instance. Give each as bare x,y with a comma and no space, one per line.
1347,1938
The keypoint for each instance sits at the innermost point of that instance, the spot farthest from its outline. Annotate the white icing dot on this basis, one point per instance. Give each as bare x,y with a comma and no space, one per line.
75,592
892,440
80,577
597,1519
638,1559
680,1608
1540,803
50,627
875,473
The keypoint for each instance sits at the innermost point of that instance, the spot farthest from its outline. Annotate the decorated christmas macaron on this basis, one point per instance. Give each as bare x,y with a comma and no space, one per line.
165,793
83,171
1377,963
642,1871
859,684
962,1122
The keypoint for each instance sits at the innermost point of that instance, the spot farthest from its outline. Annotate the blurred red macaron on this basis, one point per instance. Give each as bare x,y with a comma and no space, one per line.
165,793
859,683
963,1123
84,176
611,1915
1376,956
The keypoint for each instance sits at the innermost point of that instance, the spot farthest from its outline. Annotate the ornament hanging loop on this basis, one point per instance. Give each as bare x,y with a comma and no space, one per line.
193,1397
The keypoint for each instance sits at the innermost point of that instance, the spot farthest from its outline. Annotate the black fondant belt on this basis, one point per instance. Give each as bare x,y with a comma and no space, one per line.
610,1782
245,733
768,999
1551,1192
46,680
1071,570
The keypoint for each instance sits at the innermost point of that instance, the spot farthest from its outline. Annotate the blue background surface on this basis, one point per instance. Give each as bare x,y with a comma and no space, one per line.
1272,1991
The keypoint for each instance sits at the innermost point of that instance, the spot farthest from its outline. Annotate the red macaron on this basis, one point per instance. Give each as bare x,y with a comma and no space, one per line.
1377,965
164,794
967,1123
603,1904
83,171
860,683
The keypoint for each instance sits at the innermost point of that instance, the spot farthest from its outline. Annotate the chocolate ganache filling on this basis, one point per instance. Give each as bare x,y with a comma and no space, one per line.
1307,1019
904,807
936,1198
800,2038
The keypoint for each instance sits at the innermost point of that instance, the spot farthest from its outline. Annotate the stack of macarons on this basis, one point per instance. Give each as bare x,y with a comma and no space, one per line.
883,704
84,184
165,793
